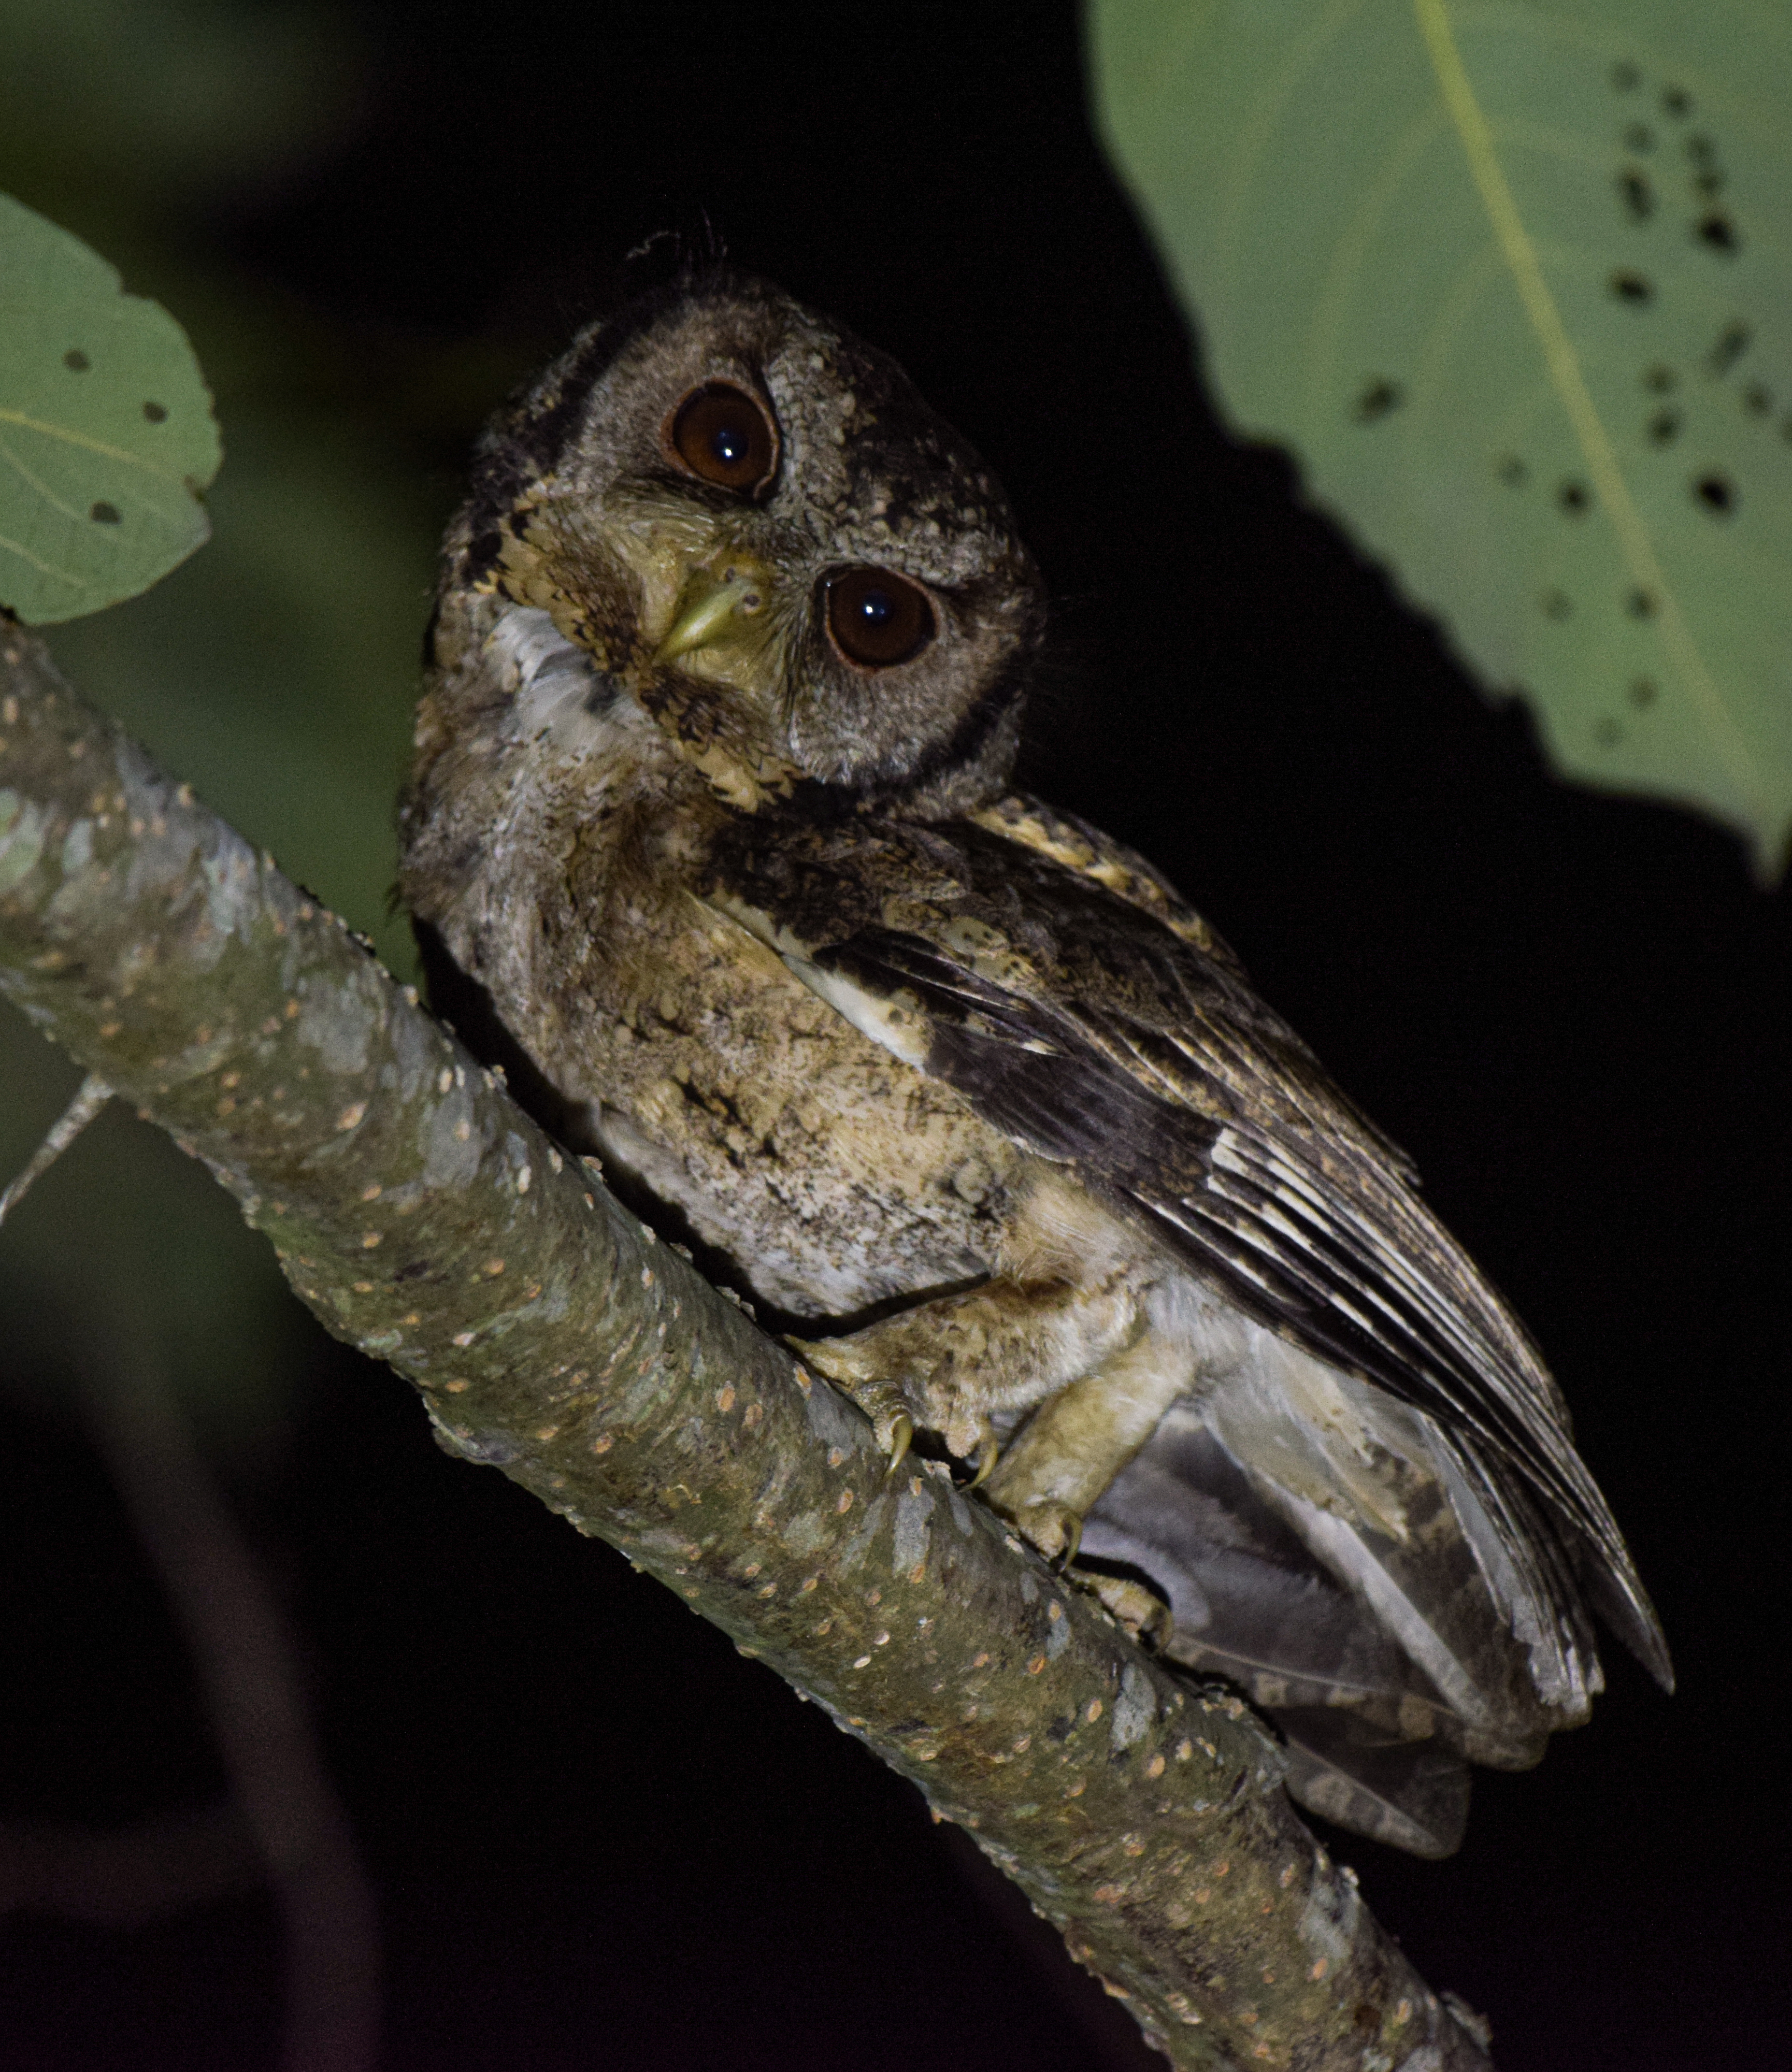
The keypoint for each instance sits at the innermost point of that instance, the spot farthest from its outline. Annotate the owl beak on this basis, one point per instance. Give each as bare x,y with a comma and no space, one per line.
718,606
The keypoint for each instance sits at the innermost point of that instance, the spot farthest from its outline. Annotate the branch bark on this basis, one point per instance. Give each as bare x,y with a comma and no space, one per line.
423,1217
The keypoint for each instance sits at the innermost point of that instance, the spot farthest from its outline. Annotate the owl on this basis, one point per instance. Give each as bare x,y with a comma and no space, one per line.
710,839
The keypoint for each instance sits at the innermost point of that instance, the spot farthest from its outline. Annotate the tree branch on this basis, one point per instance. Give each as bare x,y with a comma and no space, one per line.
424,1219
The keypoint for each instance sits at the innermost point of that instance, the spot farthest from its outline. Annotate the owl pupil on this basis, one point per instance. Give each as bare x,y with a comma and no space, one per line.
877,607
728,447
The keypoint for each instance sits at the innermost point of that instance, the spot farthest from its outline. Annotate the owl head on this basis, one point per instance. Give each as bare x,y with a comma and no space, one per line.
752,522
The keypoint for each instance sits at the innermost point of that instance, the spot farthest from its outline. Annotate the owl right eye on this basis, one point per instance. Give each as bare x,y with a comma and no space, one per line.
722,435
877,618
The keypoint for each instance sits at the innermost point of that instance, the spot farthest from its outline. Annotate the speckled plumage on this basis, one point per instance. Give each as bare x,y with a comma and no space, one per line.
957,1085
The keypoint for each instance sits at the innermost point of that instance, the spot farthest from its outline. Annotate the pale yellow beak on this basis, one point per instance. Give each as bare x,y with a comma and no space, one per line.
718,606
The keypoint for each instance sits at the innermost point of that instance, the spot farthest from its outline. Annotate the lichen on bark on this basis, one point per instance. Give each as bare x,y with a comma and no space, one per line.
425,1217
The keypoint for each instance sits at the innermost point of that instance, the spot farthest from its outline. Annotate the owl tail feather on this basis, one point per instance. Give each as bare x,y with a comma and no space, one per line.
1396,1604
1413,1795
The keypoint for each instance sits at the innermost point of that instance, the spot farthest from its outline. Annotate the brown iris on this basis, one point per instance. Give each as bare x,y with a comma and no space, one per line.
876,619
723,435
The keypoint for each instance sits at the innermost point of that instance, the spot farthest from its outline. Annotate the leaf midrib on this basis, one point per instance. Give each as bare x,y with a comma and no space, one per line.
1563,365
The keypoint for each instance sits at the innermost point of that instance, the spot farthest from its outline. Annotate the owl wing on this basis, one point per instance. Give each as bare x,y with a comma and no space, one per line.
1101,1028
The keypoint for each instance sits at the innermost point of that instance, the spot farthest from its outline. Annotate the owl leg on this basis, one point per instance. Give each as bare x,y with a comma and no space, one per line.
1074,1445
948,1364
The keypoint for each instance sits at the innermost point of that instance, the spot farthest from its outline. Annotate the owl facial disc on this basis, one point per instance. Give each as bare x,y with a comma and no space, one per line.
753,522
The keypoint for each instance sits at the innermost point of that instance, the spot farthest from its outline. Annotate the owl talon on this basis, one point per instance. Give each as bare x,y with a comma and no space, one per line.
884,1405
989,1452
902,1437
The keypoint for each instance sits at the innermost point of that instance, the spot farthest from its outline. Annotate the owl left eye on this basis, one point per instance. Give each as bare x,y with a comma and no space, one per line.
878,618
723,435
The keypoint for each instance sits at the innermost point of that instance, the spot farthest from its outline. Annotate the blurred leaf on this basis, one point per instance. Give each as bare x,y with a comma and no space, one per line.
203,97
1515,284
106,433
278,672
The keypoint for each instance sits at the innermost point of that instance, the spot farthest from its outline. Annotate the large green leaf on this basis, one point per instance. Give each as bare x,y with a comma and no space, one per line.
1514,281
106,433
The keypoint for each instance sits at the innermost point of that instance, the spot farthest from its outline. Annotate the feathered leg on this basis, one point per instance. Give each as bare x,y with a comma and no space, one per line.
952,1362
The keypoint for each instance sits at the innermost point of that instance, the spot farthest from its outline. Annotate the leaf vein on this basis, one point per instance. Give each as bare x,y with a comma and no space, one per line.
81,439
40,487
43,567
1570,385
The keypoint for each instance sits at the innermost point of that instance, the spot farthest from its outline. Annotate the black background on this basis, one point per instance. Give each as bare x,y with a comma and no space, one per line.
602,1840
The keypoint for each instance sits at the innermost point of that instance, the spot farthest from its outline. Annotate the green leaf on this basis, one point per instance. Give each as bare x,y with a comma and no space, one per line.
106,433
1514,281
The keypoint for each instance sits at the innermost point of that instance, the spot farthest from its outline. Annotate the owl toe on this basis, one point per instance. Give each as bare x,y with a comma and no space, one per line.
1053,1528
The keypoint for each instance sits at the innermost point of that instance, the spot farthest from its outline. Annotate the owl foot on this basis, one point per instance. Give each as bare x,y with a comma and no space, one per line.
1056,1530
1053,1528
1145,1614
891,1422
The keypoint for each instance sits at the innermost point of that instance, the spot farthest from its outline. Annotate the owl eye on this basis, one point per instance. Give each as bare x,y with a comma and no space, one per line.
723,435
876,619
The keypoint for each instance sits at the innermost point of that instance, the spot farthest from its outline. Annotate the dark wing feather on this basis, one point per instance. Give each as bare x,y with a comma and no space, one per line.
1095,1034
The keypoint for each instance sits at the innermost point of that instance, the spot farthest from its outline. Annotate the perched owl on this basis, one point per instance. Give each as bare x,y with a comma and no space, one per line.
709,833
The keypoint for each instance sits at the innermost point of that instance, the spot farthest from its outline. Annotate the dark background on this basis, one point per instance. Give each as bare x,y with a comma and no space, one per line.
600,1839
